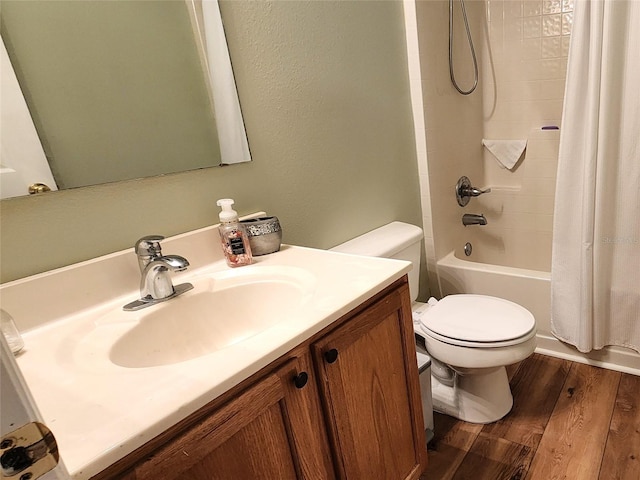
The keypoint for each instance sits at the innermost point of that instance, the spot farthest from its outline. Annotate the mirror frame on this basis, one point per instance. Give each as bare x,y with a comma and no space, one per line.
212,50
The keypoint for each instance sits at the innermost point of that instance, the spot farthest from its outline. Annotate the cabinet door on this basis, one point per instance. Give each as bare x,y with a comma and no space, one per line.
245,439
369,383
305,418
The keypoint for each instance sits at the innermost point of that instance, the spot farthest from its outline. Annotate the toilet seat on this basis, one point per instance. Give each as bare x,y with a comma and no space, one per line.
478,321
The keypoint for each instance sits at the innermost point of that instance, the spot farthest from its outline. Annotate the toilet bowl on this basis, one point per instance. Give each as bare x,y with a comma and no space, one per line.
470,338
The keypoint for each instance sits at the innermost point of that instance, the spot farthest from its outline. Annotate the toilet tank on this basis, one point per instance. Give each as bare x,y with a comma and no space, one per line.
395,240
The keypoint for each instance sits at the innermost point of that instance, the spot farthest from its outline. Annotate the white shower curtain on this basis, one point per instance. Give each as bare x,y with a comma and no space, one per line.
595,273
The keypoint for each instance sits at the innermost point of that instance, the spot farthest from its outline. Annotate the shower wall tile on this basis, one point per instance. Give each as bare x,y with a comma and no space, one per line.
528,249
565,45
520,90
497,10
544,223
496,32
531,8
567,23
551,6
543,144
531,27
550,68
551,47
526,92
530,49
547,111
511,9
513,201
506,129
552,25
499,245
551,89
514,27
453,122
517,221
538,186
523,48
541,169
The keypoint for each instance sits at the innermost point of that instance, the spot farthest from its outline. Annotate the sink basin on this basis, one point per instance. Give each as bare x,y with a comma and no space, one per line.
223,309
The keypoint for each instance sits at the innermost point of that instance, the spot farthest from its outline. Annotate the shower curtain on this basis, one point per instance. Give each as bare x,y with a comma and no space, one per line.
595,275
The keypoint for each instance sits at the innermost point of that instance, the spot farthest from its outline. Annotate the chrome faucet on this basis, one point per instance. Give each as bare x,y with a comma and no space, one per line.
156,285
473,219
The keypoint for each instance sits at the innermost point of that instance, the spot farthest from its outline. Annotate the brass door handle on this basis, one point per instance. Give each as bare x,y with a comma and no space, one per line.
28,452
38,188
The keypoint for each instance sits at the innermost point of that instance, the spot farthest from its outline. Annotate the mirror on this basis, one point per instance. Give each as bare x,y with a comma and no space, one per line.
121,89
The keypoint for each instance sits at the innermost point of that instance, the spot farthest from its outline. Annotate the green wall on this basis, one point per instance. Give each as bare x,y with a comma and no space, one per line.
325,94
129,94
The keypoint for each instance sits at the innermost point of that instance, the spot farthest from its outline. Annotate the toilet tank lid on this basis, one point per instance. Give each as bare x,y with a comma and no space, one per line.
383,242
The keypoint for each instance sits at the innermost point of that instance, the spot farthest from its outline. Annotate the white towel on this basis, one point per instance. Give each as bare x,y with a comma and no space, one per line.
506,152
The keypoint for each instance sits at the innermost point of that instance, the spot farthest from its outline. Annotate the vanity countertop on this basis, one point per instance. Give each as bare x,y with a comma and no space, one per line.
100,411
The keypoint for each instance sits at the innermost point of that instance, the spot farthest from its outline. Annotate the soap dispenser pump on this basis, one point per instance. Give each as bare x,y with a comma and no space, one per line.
235,242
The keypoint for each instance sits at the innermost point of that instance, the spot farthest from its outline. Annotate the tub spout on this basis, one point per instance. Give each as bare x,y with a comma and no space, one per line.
473,219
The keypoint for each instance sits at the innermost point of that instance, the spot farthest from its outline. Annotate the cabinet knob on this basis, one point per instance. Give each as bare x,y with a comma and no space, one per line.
331,355
301,379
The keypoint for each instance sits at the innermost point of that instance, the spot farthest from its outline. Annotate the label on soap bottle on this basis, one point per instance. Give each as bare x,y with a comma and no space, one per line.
237,245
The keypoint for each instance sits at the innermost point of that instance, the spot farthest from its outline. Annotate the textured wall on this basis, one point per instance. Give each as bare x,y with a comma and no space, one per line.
325,94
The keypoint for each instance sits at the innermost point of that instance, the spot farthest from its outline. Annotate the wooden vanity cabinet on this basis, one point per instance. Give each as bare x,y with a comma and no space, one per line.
369,383
246,438
344,404
271,430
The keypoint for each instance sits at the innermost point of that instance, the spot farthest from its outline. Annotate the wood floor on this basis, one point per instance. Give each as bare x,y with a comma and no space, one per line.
569,421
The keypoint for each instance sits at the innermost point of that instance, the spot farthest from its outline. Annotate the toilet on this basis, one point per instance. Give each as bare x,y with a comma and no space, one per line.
469,338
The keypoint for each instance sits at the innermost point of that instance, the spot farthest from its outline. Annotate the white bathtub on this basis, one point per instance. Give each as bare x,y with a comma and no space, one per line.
532,290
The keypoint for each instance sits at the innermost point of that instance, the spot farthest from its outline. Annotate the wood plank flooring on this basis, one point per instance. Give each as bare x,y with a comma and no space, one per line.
569,421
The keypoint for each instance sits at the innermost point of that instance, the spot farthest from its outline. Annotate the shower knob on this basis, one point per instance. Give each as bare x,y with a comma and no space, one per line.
464,191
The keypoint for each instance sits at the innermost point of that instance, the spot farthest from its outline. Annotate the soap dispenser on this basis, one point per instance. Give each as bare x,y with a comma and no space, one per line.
235,242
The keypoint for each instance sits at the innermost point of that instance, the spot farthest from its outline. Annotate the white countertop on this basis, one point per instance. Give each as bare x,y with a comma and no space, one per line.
99,411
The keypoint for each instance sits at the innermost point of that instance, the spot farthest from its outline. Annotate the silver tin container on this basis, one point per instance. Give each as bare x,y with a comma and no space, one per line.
265,234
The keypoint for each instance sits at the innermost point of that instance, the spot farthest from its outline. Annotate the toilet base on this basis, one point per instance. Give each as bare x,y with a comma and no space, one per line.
482,397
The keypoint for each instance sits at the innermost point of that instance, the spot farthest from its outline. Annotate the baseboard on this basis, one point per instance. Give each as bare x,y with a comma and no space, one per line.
613,358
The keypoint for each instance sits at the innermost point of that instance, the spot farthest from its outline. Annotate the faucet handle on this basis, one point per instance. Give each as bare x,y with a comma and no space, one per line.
149,246
476,192
147,249
464,191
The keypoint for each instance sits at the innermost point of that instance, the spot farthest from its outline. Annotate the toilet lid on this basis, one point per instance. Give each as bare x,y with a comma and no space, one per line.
478,318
